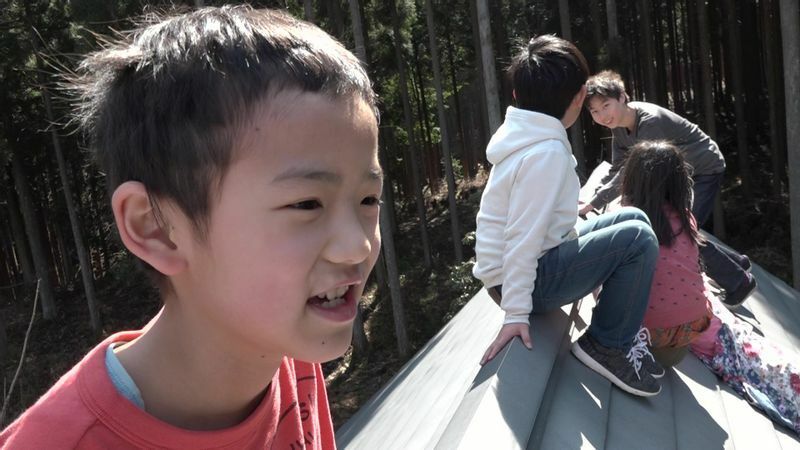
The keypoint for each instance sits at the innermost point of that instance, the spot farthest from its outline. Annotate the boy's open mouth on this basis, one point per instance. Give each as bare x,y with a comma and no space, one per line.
331,298
337,304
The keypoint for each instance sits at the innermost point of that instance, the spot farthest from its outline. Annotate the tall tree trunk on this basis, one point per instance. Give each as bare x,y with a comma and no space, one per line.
735,46
389,193
710,123
597,30
335,10
49,224
412,146
358,31
467,162
648,60
674,51
753,80
3,341
790,35
386,270
614,41
500,39
576,130
448,161
489,74
8,272
66,262
359,335
62,256
771,72
398,309
430,168
87,276
33,231
661,59
478,133
21,249
308,10
693,62
611,16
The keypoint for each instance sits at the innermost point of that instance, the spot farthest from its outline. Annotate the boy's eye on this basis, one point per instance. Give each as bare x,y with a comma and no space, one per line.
306,205
371,201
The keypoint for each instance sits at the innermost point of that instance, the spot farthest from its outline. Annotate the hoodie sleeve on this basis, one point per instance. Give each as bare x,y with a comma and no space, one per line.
533,199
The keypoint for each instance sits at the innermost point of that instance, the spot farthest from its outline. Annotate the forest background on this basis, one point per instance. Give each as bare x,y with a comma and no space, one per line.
732,66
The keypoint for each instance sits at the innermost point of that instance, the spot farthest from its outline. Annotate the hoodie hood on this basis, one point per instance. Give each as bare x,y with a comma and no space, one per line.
522,129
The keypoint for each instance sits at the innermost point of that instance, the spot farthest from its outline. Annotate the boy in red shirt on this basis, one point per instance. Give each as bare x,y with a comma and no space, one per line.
240,148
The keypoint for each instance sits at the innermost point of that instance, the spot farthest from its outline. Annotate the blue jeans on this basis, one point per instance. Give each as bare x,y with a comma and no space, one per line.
722,265
616,250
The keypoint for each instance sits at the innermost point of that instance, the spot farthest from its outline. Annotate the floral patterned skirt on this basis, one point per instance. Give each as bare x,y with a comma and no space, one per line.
758,371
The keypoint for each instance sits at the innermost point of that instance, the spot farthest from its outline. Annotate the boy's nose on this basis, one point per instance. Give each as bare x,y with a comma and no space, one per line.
350,241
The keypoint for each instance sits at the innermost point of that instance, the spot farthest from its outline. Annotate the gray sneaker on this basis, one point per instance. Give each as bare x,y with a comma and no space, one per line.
648,362
621,368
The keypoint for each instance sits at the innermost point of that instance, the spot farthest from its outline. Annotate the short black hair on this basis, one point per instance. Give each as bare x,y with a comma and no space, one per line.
164,103
607,84
546,75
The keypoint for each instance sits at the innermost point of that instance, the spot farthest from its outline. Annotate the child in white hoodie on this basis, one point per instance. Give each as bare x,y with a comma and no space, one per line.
531,255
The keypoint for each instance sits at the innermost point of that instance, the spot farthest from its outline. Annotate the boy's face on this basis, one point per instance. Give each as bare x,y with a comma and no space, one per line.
293,232
607,111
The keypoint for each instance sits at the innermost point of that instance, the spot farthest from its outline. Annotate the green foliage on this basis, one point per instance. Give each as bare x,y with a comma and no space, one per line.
462,282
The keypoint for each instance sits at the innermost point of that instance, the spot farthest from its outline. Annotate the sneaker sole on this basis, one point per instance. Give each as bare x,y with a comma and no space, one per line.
732,306
597,367
658,375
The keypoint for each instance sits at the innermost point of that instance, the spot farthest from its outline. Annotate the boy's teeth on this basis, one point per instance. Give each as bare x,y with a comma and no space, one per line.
332,303
335,293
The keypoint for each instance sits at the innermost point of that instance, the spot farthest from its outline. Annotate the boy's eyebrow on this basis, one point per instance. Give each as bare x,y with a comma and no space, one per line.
325,176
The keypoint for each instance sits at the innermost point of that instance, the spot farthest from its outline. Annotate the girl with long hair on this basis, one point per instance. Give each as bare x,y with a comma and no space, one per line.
683,314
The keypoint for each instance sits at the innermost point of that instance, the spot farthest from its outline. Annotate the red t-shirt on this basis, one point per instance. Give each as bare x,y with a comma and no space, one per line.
84,410
678,293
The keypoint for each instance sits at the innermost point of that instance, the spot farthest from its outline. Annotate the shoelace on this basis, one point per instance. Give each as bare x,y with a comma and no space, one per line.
639,350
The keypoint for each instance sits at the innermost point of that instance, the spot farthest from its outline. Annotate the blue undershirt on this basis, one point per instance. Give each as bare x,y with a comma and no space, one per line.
122,381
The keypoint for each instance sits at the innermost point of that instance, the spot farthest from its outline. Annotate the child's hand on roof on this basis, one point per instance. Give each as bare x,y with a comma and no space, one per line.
507,333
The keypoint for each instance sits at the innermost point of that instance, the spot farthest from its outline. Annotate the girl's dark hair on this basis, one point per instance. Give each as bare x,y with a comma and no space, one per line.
656,176
546,75
165,103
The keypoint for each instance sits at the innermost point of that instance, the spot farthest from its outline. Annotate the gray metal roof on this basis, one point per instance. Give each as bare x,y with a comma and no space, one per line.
545,398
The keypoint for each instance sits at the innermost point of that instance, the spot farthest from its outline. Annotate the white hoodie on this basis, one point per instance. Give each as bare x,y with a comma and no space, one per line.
529,205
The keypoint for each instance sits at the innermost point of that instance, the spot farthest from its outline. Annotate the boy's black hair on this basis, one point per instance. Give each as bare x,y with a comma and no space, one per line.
656,175
547,74
165,104
606,84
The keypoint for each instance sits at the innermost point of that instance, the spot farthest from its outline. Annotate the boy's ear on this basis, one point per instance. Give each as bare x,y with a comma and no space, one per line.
580,96
142,232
